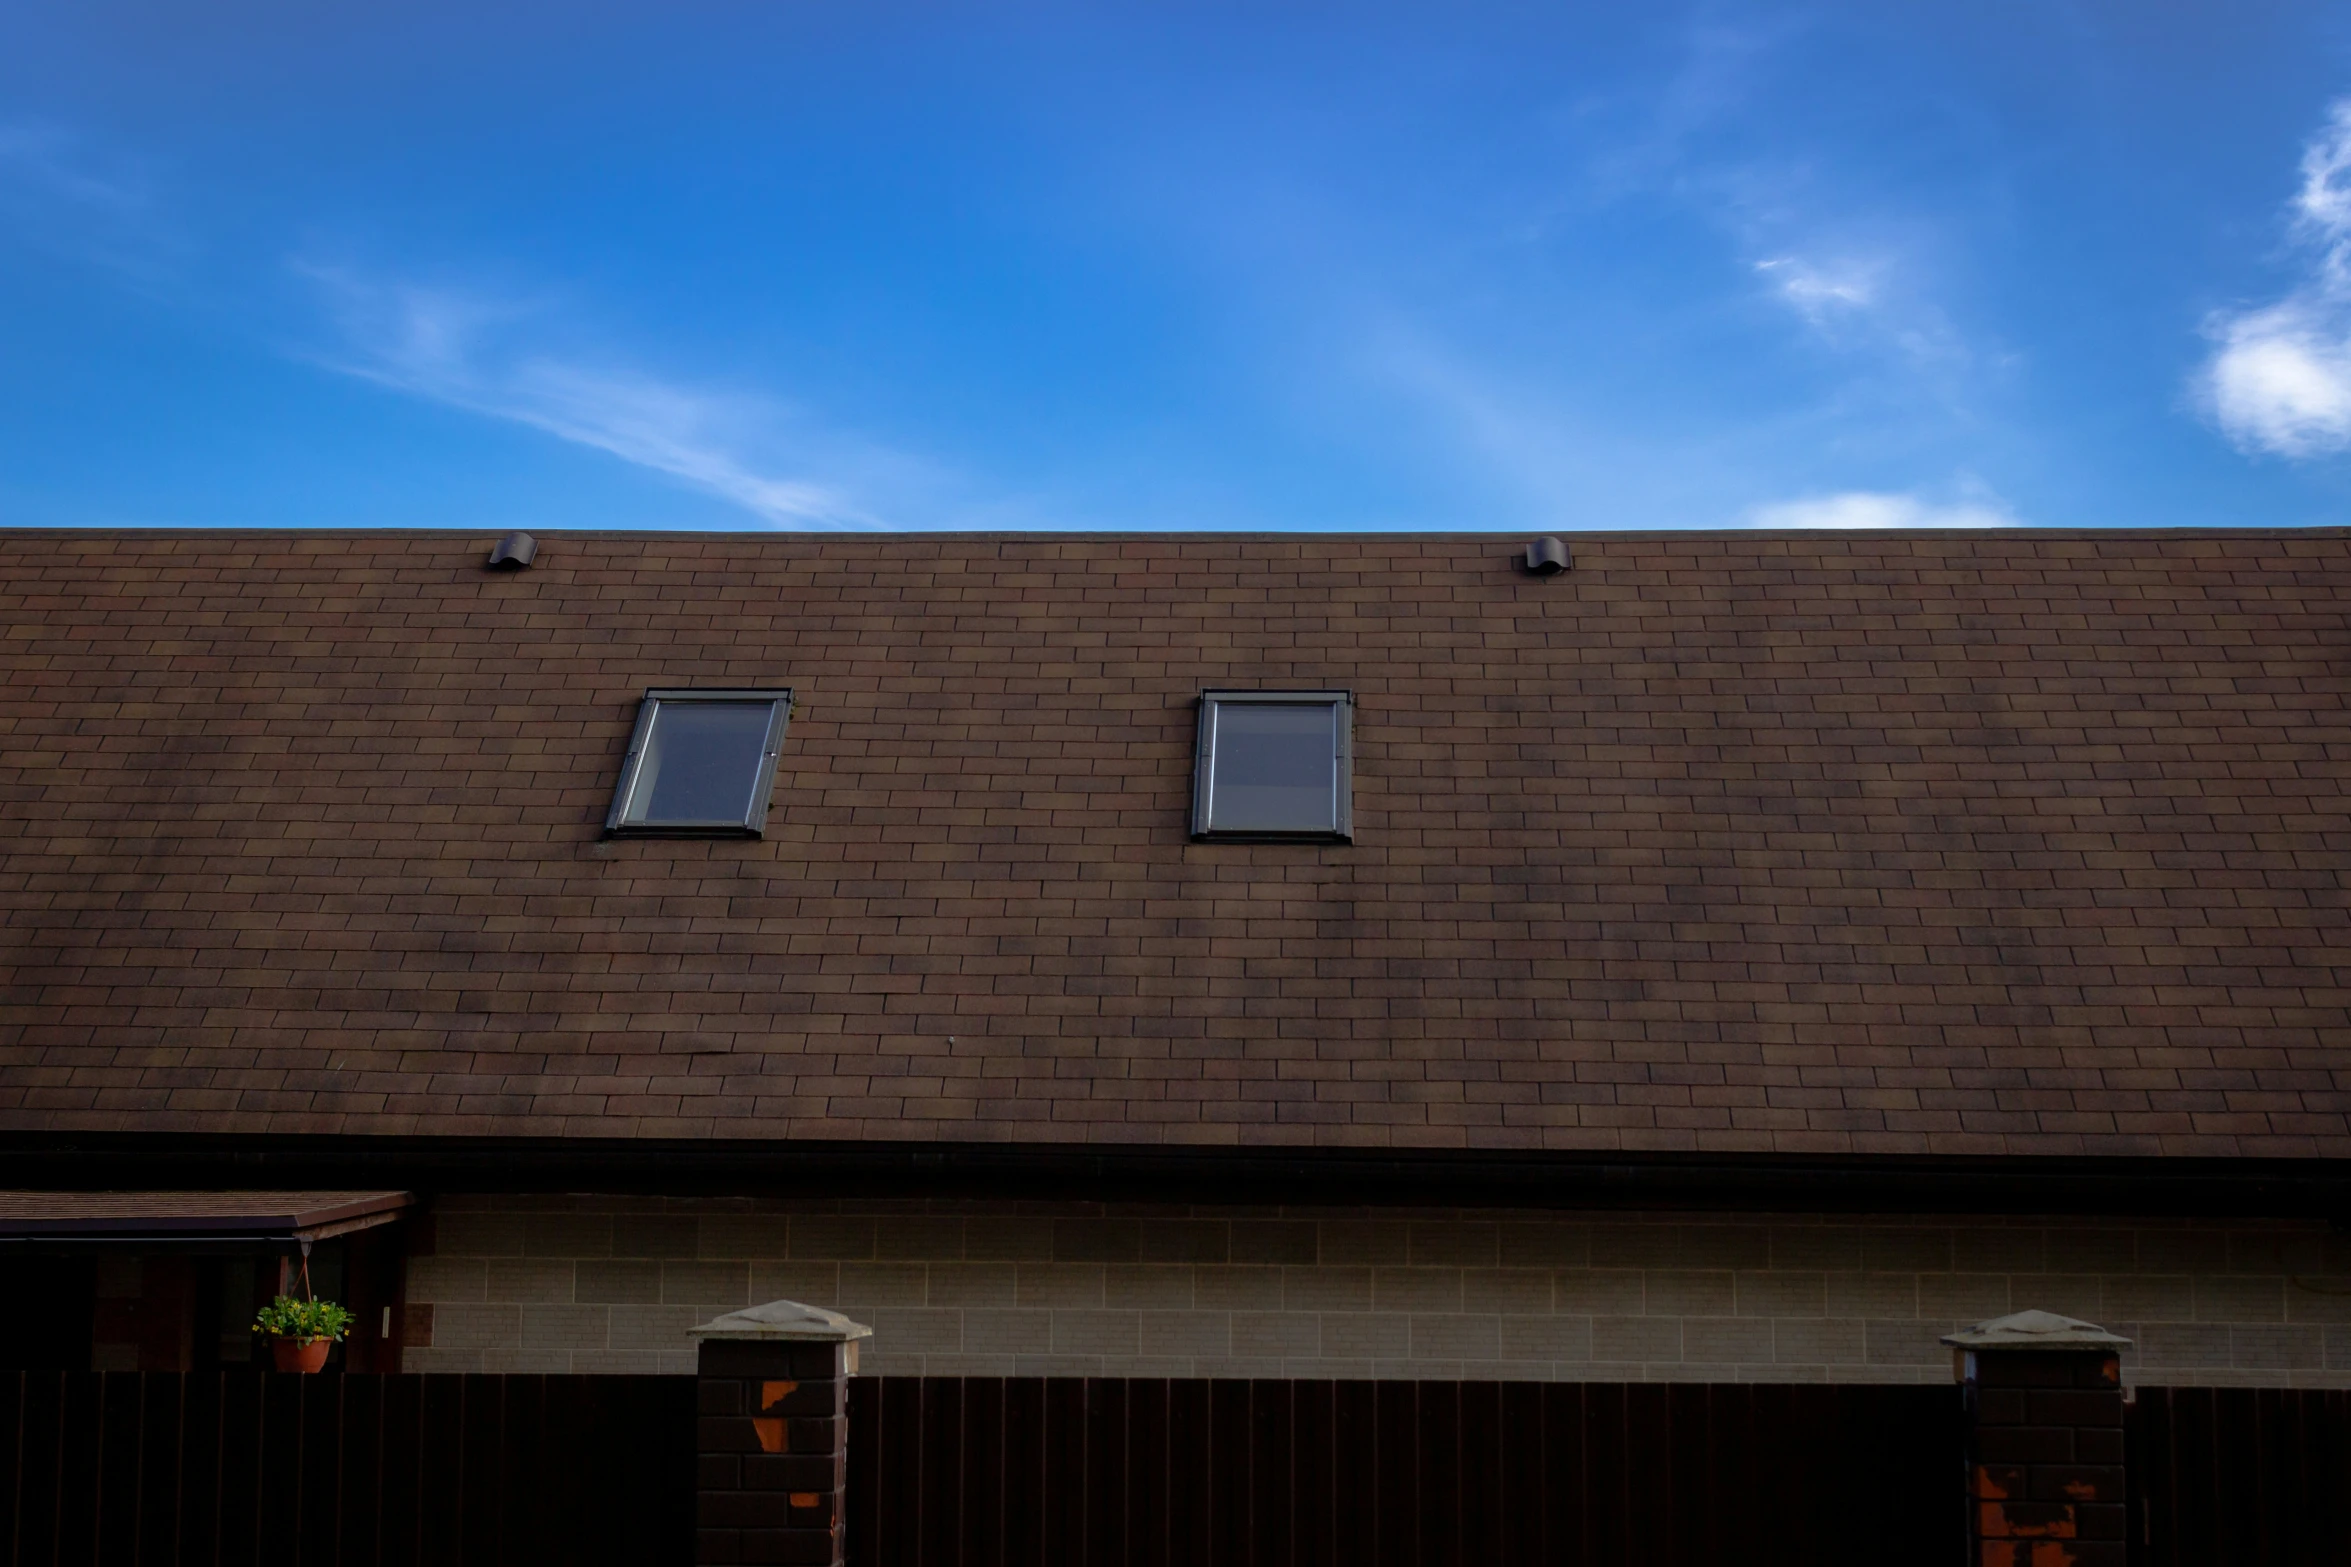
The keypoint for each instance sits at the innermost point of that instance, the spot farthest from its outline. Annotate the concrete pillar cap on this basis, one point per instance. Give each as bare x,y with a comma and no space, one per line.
785,1320
2036,1330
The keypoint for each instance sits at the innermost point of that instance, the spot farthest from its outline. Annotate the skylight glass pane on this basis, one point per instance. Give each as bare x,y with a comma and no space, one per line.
701,762
1276,768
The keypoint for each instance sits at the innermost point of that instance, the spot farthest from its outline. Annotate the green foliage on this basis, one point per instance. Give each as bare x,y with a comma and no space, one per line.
302,1320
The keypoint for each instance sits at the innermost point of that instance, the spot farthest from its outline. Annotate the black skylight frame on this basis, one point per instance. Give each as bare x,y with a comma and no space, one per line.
1342,829
753,822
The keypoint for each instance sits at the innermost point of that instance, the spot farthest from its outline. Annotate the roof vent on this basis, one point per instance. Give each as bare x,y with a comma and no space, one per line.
1546,557
514,552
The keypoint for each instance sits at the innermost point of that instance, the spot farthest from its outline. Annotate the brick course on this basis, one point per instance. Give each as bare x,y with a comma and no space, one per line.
978,1289
1997,843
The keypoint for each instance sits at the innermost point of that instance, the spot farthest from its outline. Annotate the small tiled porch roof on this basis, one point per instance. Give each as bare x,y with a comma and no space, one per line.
194,1216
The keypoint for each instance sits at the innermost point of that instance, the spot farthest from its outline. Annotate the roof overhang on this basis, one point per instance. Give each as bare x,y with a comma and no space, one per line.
1619,1179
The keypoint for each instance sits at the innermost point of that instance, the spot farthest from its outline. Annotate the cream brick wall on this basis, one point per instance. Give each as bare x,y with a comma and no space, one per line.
612,1284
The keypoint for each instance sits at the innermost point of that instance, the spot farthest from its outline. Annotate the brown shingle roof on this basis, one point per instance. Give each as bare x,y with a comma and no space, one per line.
2004,842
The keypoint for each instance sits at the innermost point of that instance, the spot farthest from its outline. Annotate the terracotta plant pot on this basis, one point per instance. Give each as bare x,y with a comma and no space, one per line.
295,1354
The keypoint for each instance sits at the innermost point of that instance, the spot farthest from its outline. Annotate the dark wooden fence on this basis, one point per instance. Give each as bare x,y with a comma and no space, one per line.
131,1469
974,1472
2239,1477
205,1470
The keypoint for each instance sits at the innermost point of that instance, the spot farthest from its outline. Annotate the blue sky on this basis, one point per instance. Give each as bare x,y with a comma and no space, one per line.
1200,266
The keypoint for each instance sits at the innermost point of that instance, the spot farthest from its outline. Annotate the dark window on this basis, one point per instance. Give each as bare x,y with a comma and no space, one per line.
701,764
1274,765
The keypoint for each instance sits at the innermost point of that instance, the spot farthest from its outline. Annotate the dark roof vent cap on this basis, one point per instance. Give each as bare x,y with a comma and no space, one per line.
1546,557
515,551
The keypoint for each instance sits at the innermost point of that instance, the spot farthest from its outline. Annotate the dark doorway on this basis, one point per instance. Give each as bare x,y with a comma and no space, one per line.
46,1306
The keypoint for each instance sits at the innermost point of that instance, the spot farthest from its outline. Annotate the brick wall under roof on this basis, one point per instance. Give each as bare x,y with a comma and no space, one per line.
613,1284
2001,842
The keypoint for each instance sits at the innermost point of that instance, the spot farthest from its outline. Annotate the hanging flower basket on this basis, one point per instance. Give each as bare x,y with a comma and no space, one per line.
302,1331
293,1354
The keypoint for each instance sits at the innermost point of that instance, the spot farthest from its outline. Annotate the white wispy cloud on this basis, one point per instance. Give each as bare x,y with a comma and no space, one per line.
1863,277
43,155
1517,442
458,349
1880,509
1869,295
2279,376
1817,292
57,193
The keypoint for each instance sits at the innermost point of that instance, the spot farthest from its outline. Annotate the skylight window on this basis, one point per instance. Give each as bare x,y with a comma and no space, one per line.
1274,765
701,764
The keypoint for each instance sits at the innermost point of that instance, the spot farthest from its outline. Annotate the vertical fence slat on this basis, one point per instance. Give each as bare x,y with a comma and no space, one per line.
116,1527
673,1403
1608,1535
1648,1472
1147,1474
1269,1475
1065,1471
399,1484
322,1467
1355,1472
1228,1472
1024,1470
237,1527
157,1530
2138,1460
938,1487
79,1436
1314,1507
1686,1497
986,1450
11,1463
46,1399
440,1458
2283,1506
1106,1472
2204,1491
1780,1513
197,1528
579,1478
860,1528
1518,1472
481,1504
2297,1451
1397,1495
1439,1480
1943,1422
1730,1437
2326,1445
2175,1526
1188,1455
278,1521
898,1529
526,1523
1481,1472
2333,1415
1567,1514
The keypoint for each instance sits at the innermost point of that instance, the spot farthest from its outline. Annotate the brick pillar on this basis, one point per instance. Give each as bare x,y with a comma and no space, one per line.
773,1437
2044,1459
